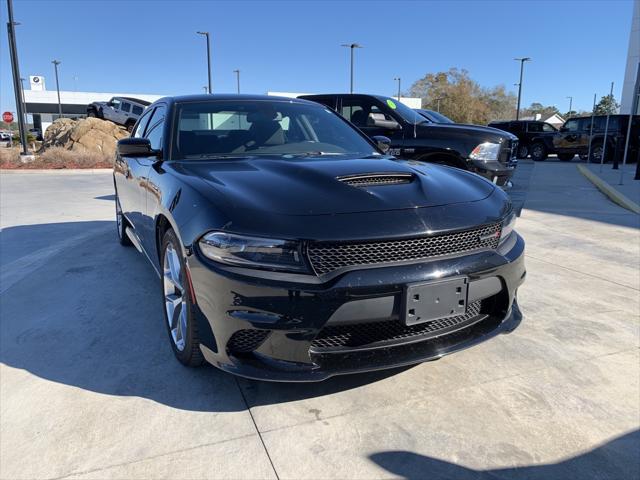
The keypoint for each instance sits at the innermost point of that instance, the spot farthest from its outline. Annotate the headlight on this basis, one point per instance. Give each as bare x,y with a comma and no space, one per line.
508,224
252,252
485,151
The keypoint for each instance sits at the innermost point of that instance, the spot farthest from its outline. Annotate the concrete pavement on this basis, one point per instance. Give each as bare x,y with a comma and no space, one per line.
89,387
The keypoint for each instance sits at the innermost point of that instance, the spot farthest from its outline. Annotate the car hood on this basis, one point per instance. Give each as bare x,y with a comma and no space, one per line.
489,133
311,186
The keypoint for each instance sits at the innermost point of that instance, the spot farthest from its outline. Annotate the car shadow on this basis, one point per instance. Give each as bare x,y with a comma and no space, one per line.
88,314
616,459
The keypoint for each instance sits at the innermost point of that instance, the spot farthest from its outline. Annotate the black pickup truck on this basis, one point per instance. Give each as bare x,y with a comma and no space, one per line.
483,150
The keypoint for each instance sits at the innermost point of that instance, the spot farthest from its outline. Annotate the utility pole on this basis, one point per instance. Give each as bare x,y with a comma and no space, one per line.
206,34
351,46
606,132
521,60
570,105
593,112
55,66
15,69
237,72
398,79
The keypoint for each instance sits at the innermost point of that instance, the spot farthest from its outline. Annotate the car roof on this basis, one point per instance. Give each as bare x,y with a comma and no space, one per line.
204,97
137,100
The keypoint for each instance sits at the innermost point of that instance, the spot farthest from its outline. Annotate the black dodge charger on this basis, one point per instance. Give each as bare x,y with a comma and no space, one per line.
290,247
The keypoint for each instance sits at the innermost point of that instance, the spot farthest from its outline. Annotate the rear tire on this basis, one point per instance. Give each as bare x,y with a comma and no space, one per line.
596,153
178,309
91,113
538,152
566,157
129,126
121,225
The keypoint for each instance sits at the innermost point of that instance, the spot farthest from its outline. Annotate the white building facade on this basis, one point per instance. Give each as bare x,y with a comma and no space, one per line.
633,60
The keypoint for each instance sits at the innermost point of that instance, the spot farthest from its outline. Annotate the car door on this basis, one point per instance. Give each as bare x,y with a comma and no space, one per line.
125,112
567,139
363,113
154,132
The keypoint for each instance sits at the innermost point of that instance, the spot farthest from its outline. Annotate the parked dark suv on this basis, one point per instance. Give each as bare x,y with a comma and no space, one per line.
486,151
535,138
576,134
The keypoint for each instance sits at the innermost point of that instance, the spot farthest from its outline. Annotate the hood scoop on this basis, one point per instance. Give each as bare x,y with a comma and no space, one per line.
376,179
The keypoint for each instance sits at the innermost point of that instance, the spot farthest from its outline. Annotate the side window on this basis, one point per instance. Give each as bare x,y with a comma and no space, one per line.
515,127
361,112
155,136
535,127
125,107
158,115
546,127
137,110
142,124
571,125
115,103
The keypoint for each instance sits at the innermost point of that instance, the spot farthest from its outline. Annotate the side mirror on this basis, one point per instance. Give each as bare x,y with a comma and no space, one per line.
378,120
136,147
382,142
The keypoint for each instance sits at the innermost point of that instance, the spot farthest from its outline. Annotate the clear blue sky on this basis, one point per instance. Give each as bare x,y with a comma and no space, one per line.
578,47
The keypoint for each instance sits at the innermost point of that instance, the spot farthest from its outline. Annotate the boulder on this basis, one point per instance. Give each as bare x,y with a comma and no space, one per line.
86,134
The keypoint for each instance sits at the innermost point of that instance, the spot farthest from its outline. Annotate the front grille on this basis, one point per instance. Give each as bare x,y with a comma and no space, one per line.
376,179
327,257
366,334
245,341
509,152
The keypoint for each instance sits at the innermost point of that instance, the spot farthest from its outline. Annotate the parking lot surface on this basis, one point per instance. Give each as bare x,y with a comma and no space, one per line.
89,388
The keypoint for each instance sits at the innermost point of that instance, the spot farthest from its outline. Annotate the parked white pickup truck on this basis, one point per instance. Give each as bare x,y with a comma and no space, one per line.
121,110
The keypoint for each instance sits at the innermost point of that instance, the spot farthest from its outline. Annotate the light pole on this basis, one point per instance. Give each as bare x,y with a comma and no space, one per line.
570,105
521,60
15,69
398,79
55,67
237,72
438,103
351,46
206,34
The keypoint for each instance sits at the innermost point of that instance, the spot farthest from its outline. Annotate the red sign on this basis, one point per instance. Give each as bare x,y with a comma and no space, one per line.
7,117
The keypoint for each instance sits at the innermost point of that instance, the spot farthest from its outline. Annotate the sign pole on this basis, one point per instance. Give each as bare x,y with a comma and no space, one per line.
17,85
606,131
593,112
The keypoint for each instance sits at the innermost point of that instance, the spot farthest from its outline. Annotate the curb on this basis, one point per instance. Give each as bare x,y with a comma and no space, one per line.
55,171
613,195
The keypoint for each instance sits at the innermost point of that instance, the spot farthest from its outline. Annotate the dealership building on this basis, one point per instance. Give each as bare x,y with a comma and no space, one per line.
41,104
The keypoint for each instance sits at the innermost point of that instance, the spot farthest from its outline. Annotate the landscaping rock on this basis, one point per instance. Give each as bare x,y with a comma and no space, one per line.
84,135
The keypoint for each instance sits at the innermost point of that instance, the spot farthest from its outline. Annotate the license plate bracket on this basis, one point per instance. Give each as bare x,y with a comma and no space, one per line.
436,300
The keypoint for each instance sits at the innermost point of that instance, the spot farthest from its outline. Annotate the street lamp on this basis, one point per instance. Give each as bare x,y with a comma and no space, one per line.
55,66
206,34
351,46
237,72
398,79
24,104
570,105
521,60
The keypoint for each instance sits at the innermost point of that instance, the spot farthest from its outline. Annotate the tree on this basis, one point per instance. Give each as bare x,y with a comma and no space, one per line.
607,105
537,108
462,99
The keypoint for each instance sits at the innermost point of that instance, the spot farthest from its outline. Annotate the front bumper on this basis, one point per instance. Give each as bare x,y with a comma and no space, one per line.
265,328
497,172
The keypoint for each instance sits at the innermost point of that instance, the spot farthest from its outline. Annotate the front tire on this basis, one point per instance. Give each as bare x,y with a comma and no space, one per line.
121,225
523,151
178,307
538,152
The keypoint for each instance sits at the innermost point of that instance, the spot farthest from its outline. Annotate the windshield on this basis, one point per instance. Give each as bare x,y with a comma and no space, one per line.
408,115
438,117
244,128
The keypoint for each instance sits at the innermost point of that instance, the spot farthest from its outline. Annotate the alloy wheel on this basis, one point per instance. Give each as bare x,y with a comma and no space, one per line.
174,297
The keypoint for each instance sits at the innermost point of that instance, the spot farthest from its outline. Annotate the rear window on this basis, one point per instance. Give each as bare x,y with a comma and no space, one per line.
137,110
